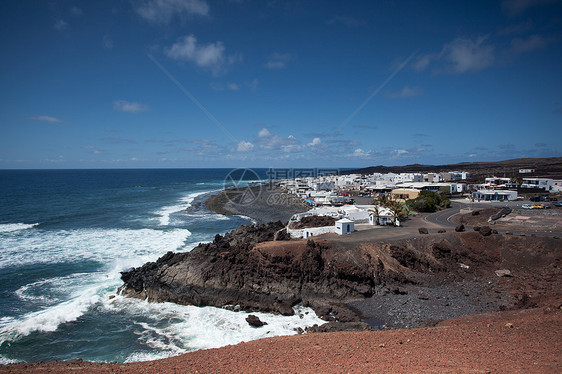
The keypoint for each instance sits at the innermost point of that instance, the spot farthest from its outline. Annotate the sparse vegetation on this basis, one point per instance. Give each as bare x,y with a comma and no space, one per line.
429,201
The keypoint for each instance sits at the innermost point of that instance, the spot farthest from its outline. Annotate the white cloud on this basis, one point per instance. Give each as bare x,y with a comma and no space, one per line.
264,133
423,62
48,119
271,142
209,56
468,55
61,25
223,87
107,42
405,92
315,142
76,11
519,45
399,152
245,147
253,85
360,153
460,56
129,106
162,11
278,60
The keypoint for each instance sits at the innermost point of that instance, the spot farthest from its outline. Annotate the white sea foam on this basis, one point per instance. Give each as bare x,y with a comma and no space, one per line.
49,291
7,361
65,299
11,227
103,245
49,319
184,203
175,329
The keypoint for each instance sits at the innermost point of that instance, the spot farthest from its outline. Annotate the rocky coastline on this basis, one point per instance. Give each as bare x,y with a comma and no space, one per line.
385,284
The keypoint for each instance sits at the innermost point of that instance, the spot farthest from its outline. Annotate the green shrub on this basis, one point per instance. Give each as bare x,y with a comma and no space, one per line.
429,201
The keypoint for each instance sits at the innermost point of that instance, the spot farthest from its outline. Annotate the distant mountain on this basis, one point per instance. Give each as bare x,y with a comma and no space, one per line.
550,167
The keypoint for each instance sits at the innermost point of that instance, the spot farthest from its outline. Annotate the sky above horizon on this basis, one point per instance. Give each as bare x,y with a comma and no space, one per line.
236,83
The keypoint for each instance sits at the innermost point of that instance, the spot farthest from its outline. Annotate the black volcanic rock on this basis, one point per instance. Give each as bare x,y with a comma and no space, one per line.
255,321
231,271
485,231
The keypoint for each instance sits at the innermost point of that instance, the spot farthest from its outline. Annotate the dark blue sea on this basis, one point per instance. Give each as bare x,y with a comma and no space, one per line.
65,236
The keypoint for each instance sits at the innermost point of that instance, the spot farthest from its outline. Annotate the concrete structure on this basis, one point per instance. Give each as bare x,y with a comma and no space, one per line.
403,194
543,183
344,226
494,195
311,231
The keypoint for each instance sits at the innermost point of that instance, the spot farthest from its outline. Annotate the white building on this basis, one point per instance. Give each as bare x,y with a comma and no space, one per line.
384,217
556,185
543,183
344,226
494,195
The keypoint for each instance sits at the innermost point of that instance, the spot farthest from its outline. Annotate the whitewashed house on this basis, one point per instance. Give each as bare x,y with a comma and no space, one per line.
344,226
383,218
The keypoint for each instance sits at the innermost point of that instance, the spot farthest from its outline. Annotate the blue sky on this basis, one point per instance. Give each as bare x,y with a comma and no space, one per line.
196,83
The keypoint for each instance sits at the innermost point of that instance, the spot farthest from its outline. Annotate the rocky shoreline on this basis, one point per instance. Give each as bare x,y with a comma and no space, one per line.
387,284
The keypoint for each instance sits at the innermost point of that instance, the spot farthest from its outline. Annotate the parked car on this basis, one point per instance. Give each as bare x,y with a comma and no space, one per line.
527,206
535,198
538,206
557,204
553,199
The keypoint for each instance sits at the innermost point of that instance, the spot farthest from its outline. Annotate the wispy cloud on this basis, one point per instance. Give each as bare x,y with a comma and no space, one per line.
278,60
107,42
360,153
209,56
76,11
163,11
462,55
516,7
60,25
315,142
245,147
518,28
405,93
271,142
47,119
225,86
253,84
531,43
129,106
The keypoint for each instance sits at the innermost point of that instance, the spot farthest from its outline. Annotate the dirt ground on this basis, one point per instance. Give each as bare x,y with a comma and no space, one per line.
525,341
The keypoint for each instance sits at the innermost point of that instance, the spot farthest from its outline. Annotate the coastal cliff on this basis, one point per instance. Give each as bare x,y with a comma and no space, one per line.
247,270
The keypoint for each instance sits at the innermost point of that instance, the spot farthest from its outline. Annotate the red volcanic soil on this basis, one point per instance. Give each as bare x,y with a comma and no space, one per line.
523,341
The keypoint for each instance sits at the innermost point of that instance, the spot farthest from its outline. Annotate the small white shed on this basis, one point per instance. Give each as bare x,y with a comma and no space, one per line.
344,226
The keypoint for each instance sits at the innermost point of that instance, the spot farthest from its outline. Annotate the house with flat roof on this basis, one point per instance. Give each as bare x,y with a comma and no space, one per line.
494,195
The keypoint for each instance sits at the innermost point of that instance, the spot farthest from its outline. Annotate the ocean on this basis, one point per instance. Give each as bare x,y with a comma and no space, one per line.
65,236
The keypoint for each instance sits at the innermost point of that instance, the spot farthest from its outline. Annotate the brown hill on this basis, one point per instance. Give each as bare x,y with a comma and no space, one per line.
544,167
